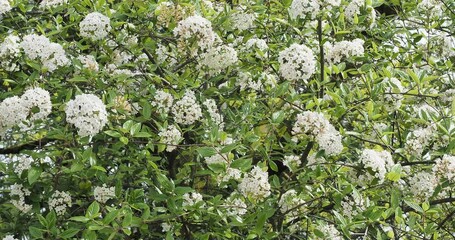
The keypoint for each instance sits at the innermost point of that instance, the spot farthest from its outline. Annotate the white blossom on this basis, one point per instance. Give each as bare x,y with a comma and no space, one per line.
52,55
255,185
19,191
214,114
297,62
59,202
292,162
52,3
163,101
186,111
217,59
9,51
5,7
330,232
254,44
170,136
242,21
380,162
89,62
197,28
87,113
353,9
9,237
392,96
13,112
291,204
22,162
422,185
417,140
344,49
95,26
190,199
445,167
37,98
103,193
235,206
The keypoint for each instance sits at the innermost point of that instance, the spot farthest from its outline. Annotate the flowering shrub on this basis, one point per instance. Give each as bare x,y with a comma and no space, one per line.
249,119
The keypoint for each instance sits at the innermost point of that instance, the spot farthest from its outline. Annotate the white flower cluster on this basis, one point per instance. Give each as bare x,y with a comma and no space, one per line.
37,98
255,44
330,232
51,55
422,185
235,206
292,162
168,12
242,21
303,8
216,59
163,101
4,7
417,140
215,116
353,205
431,7
34,104
448,46
9,51
245,81
21,192
197,28
379,162
22,162
255,185
9,237
316,126
314,161
89,62
52,3
353,9
231,173
392,91
291,204
95,26
13,113
344,49
104,193
171,137
190,199
445,167
186,111
297,62
448,96
165,54
59,201
87,113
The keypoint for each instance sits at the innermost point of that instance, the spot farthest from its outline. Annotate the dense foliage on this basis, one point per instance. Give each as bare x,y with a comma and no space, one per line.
294,119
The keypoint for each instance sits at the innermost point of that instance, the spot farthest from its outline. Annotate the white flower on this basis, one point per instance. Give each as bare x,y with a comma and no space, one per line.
291,204
255,43
89,62
9,51
242,21
445,167
52,3
292,162
59,201
166,227
37,98
216,59
255,185
330,232
170,136
22,162
392,96
88,114
197,28
379,162
163,101
19,191
95,26
417,140
215,116
104,193
344,49
297,62
12,112
51,55
422,185
9,237
190,199
303,8
353,9
235,206
4,7
186,111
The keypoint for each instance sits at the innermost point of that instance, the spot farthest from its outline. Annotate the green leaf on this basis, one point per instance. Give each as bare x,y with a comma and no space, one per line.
43,221
206,151
242,163
33,174
93,210
113,133
124,140
51,218
228,148
80,219
95,227
127,220
110,216
69,233
395,173
135,129
142,135
36,232
414,206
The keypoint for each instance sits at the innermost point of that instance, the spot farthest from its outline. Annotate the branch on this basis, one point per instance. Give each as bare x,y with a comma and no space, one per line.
37,144
151,59
305,153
